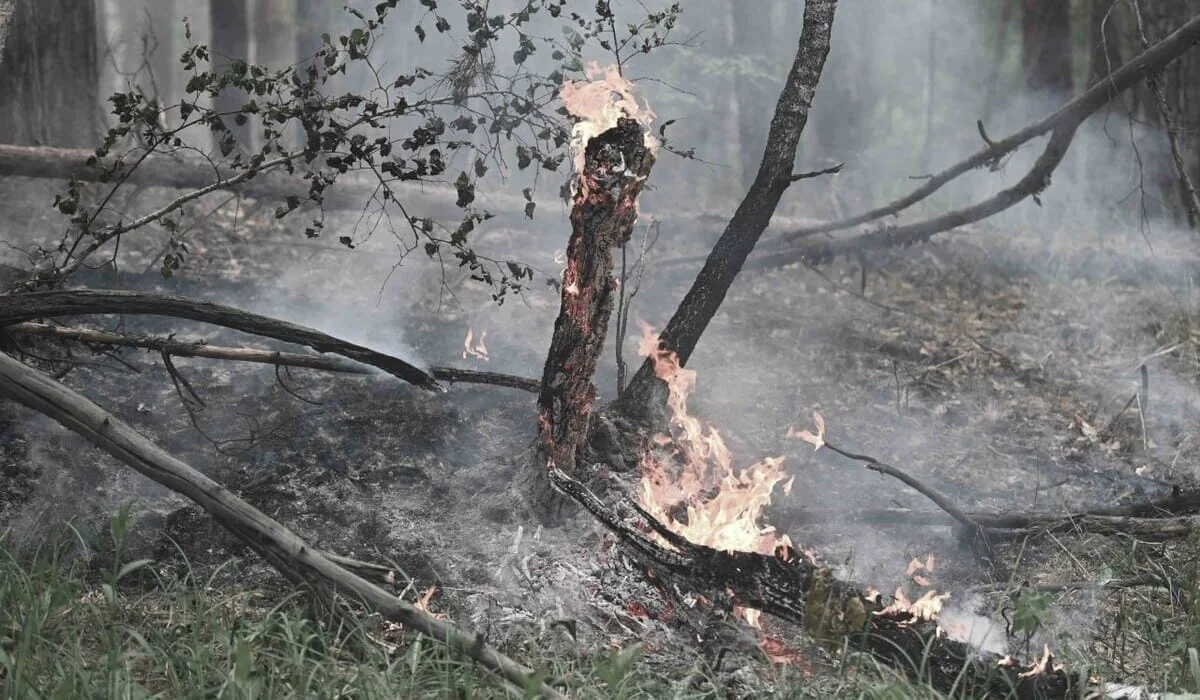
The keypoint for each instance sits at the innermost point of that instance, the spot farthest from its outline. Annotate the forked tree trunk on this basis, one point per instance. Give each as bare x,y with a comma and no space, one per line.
50,74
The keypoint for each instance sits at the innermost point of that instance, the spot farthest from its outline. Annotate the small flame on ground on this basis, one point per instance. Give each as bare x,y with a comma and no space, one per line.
475,348
922,609
598,103
423,604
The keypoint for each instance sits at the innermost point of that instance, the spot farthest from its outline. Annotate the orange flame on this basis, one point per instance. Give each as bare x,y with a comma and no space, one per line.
924,608
473,348
722,505
598,103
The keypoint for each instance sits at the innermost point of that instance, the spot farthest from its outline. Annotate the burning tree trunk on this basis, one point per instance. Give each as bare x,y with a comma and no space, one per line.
616,164
775,173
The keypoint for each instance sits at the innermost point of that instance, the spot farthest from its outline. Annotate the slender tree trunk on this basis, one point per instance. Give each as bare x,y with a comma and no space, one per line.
230,43
683,331
7,7
50,78
1046,45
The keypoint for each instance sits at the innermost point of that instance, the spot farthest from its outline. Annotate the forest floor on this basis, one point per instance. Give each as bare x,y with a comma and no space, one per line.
996,365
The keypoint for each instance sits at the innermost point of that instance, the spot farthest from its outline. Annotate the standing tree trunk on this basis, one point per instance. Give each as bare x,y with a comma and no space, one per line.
51,73
6,15
683,331
1046,45
230,44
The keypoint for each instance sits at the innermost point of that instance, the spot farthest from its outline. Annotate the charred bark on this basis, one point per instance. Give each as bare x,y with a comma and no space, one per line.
18,308
683,331
616,165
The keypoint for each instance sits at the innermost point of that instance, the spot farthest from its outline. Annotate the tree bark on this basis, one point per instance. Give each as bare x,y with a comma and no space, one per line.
7,7
50,76
1046,45
230,44
683,331
616,166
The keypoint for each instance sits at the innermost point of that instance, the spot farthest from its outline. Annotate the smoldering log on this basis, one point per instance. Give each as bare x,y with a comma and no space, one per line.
789,586
616,165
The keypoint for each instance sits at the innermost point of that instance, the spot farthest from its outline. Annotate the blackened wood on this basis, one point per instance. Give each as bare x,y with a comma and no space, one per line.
17,308
792,588
616,165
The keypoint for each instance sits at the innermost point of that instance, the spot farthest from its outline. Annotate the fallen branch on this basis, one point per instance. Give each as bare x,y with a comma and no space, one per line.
815,251
1149,62
833,611
292,556
19,308
472,376
267,357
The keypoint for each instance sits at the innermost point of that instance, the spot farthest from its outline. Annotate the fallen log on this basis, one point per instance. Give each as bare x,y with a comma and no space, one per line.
295,558
836,612
19,308
173,347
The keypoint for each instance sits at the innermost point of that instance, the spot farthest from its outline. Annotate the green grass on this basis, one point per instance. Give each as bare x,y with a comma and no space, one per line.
68,630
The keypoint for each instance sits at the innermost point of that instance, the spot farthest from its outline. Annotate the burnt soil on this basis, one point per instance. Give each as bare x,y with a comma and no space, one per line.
992,364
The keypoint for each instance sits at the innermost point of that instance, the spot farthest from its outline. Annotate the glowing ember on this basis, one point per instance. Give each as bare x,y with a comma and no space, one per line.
722,505
598,103
475,348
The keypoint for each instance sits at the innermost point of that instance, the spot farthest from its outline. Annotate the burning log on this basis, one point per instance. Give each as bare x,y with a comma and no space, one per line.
789,586
612,167
18,308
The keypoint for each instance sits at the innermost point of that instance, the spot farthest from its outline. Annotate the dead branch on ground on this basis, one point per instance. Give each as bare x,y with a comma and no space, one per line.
295,558
177,348
1149,62
18,308
836,612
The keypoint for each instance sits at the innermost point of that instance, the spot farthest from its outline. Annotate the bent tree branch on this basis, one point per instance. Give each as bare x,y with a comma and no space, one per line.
753,215
1149,62
18,308
286,551
818,250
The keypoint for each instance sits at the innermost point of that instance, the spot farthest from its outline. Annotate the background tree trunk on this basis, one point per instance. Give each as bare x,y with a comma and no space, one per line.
1046,45
50,79
230,42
